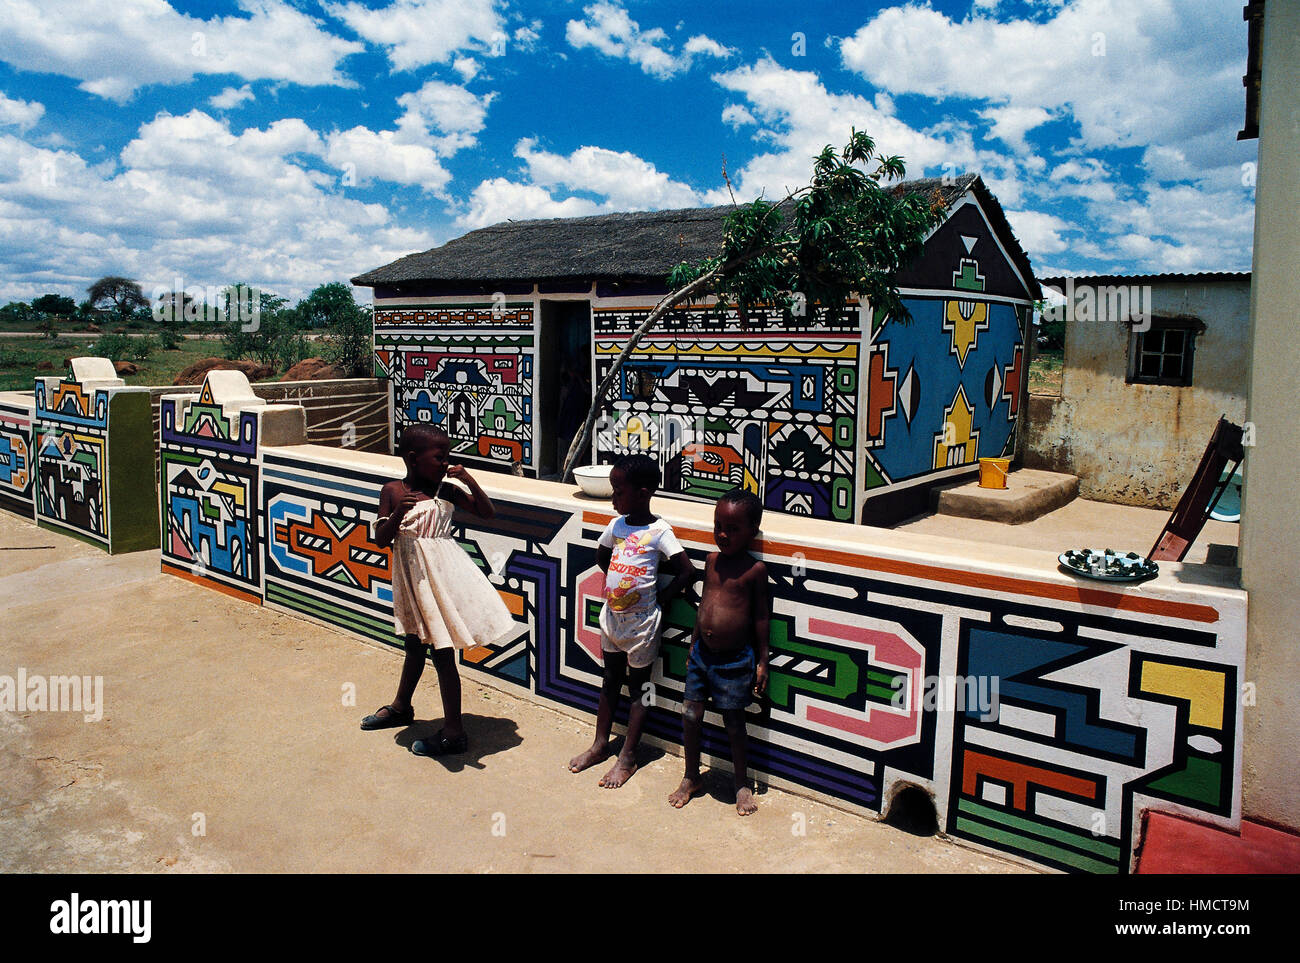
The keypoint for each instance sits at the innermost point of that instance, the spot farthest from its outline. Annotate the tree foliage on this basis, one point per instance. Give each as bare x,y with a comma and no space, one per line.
348,344
267,331
55,304
842,237
122,294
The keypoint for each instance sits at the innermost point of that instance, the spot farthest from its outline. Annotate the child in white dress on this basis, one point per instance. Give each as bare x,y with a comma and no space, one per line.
441,600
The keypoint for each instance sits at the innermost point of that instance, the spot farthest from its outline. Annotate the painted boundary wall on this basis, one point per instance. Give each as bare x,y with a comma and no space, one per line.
1111,701
332,405
76,457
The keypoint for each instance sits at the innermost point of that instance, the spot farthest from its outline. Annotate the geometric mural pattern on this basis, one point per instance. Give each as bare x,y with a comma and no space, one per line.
70,434
935,413
211,494
472,375
722,405
17,477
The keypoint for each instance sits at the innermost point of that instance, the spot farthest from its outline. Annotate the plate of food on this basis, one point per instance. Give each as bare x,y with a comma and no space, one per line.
1108,565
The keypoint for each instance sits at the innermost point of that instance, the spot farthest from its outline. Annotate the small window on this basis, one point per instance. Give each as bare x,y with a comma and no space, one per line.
1162,355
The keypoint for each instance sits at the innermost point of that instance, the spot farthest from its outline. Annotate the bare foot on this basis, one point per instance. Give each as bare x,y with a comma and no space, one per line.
688,789
745,804
585,760
621,773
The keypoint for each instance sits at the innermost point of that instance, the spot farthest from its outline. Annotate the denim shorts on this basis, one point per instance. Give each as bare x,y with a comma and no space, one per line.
726,676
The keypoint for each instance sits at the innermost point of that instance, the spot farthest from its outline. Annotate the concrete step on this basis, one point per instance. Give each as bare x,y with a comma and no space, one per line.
1174,845
1029,494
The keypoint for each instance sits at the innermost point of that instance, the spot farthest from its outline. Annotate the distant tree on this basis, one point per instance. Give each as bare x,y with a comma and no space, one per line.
18,314
55,304
123,294
261,326
348,344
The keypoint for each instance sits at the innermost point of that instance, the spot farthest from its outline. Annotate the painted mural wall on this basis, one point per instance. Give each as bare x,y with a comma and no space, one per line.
813,414
1108,701
93,462
17,471
722,403
467,367
210,489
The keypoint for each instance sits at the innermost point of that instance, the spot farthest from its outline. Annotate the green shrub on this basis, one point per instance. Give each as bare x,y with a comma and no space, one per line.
114,347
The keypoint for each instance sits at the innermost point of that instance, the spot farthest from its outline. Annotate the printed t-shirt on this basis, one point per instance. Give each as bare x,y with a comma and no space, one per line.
631,581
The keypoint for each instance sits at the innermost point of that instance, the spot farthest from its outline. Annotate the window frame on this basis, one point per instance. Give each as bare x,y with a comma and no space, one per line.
1189,327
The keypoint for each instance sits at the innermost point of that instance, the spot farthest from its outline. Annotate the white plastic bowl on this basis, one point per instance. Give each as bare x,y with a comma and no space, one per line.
594,480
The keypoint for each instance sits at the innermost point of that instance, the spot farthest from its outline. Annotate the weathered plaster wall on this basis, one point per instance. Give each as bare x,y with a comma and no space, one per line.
1270,528
1139,444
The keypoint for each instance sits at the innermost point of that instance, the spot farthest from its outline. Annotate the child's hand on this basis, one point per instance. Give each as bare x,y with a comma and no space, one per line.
405,503
457,472
760,679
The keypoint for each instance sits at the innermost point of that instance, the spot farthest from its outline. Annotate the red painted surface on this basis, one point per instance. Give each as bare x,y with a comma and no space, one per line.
1174,845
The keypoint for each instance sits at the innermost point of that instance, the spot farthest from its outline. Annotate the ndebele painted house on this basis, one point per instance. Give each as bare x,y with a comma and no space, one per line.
850,415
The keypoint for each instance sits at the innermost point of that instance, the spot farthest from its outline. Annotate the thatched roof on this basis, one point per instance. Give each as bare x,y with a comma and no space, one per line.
643,245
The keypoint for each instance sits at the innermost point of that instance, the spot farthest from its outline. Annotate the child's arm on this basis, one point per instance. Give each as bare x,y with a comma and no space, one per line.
762,619
395,500
685,577
475,500
603,555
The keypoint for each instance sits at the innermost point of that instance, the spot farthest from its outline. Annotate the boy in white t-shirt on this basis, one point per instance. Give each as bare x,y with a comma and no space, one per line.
629,554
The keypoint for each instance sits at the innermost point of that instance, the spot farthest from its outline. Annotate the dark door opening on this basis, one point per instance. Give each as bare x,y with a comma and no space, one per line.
563,376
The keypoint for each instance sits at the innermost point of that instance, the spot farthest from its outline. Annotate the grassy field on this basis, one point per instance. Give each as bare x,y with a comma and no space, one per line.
20,356
1045,372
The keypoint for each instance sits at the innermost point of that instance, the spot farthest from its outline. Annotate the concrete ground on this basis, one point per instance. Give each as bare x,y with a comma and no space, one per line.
229,743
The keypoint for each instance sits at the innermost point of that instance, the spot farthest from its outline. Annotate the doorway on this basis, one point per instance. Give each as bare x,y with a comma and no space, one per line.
564,389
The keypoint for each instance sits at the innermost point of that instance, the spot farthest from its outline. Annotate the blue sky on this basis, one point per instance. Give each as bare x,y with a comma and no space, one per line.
288,143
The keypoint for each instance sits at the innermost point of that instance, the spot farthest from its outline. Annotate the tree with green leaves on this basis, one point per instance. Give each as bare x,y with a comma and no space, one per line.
348,344
842,237
260,325
123,295
55,304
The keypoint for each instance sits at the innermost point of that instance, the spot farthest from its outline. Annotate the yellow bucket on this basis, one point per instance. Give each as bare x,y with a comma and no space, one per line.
993,472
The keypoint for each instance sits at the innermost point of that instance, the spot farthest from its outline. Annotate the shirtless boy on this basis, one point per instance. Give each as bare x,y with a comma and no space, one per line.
728,658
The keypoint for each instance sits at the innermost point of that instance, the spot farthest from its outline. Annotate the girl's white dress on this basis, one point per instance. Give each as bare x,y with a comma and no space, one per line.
439,594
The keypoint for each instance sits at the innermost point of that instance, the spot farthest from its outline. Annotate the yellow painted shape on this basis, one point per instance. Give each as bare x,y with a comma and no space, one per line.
961,415
965,326
1203,688
234,491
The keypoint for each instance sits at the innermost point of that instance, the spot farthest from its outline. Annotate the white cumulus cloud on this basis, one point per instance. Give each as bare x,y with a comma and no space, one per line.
114,47
609,29
417,33
22,114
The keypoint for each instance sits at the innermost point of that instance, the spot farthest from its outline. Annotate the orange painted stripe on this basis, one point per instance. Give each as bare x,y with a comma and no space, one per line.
230,590
1020,775
514,602
476,653
1101,598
